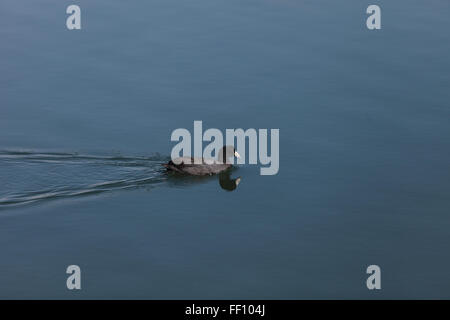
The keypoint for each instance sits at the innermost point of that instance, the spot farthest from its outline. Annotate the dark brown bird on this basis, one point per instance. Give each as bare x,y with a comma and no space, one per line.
204,166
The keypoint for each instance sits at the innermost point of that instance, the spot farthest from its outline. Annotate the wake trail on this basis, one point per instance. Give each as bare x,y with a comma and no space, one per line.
27,177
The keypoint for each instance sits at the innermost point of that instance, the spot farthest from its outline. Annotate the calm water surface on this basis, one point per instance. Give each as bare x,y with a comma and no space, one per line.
86,118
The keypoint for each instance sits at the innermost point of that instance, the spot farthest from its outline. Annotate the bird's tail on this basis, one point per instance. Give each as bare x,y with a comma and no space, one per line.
171,166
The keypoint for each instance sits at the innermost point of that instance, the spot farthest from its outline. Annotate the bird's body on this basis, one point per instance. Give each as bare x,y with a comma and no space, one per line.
188,166
202,166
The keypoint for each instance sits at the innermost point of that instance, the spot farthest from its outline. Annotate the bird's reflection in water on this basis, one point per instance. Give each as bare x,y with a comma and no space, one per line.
226,182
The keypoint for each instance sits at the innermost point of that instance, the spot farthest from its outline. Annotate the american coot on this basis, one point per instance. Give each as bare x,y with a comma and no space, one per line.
205,166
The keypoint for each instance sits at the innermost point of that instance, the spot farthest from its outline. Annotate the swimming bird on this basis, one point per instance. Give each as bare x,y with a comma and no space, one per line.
204,166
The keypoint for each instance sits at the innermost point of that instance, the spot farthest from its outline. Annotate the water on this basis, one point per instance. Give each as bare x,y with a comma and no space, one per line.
86,118
52,176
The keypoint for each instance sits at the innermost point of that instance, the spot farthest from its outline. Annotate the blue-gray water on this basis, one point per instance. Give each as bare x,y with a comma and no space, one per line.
86,118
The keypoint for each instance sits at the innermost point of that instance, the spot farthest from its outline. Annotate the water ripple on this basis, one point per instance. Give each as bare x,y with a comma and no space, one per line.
29,177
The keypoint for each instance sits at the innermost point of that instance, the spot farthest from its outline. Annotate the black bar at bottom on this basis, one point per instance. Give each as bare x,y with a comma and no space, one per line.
222,309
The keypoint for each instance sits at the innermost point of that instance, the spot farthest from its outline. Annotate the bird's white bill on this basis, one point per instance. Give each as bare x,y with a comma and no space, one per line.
238,180
236,154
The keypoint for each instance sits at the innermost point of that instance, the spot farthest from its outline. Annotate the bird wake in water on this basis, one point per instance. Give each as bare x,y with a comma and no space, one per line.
28,177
